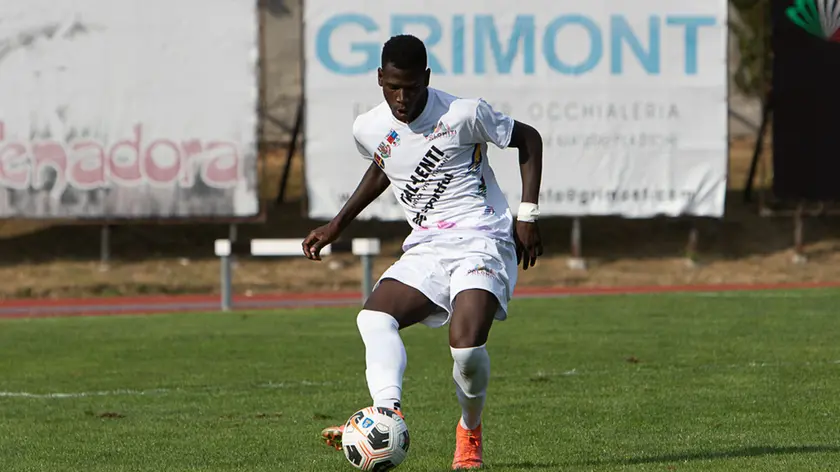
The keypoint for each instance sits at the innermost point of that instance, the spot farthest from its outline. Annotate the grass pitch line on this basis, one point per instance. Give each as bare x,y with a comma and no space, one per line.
158,391
104,393
535,377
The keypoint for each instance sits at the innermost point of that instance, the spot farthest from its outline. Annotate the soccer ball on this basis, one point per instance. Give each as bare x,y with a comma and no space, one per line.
375,439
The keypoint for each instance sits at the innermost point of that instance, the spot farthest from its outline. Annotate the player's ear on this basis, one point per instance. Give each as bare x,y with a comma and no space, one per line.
379,76
428,76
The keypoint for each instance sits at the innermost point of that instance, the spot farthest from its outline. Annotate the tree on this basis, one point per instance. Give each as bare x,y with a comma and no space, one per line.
752,32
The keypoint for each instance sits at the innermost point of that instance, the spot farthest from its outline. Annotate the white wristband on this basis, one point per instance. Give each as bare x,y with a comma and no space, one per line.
528,212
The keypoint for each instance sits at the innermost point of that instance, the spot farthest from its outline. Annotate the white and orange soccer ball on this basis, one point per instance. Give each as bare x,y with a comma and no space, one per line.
375,439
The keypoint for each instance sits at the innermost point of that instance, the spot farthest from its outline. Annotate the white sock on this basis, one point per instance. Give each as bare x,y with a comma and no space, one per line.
471,372
385,357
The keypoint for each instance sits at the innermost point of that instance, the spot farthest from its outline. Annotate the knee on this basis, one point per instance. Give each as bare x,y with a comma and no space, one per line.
371,321
471,371
471,360
466,337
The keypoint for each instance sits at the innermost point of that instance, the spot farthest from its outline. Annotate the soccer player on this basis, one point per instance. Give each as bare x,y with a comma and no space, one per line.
460,262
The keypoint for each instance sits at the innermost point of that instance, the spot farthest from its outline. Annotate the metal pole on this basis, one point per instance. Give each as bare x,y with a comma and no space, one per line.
798,235
233,232
576,261
227,272
691,248
104,247
225,279
367,276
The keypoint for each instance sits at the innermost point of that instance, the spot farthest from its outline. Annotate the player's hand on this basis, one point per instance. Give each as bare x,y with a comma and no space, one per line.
317,239
528,243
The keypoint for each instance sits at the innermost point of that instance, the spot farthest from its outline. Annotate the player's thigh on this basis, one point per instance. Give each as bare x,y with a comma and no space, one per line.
415,287
472,317
482,282
405,303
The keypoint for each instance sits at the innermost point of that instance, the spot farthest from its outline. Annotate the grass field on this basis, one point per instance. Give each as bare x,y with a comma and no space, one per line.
731,381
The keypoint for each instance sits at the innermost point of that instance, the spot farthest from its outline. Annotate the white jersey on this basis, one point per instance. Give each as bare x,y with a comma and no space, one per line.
438,165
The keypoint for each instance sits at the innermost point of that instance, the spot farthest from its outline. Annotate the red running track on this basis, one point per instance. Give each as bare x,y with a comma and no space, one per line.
204,303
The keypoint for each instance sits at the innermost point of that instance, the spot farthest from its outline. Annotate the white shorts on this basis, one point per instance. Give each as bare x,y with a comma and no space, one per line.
447,265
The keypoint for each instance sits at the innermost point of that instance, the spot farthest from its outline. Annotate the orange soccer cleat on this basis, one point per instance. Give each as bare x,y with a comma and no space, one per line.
468,449
332,435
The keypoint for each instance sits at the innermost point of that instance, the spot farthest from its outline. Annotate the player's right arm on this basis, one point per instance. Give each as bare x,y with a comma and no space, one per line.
372,185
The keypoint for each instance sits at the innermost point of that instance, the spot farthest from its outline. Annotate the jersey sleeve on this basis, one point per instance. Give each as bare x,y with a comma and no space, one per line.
490,126
363,151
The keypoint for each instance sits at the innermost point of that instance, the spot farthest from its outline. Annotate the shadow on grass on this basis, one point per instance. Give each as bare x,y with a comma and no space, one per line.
753,451
528,465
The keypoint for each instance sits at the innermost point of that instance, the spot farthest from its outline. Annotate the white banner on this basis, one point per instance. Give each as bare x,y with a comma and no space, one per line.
128,109
630,95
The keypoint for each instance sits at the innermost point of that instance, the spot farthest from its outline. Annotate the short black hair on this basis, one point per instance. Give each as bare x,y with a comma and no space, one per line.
405,52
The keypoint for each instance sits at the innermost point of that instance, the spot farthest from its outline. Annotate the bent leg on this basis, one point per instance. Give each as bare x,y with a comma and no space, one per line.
406,304
391,307
469,329
468,333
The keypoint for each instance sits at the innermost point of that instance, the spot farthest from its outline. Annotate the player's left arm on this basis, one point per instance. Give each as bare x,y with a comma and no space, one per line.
490,126
529,142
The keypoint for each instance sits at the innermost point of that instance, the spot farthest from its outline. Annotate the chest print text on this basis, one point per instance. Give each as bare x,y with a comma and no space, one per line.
422,175
422,178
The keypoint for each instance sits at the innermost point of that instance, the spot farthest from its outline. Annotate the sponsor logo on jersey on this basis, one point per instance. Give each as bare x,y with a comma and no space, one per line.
425,177
441,130
420,217
393,138
421,177
384,150
482,270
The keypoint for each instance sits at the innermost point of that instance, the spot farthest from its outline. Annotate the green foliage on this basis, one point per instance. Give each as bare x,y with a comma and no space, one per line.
752,33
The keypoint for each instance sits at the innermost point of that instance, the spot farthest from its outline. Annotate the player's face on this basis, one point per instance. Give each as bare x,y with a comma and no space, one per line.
404,90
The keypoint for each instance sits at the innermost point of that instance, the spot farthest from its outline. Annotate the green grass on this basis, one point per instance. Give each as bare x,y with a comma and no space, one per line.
742,382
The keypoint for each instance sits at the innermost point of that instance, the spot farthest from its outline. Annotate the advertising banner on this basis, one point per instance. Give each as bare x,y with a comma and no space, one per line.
630,96
128,109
